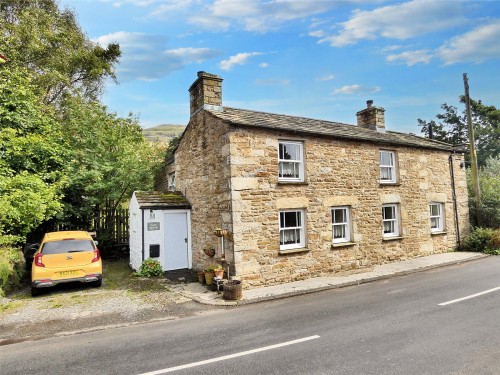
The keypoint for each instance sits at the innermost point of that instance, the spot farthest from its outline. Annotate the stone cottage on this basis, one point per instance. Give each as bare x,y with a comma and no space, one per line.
302,198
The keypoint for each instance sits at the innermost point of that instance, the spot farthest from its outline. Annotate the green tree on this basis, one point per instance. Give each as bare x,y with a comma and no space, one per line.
489,181
32,155
38,35
452,128
110,158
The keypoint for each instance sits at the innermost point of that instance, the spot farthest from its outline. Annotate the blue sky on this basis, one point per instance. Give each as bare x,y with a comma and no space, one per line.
318,58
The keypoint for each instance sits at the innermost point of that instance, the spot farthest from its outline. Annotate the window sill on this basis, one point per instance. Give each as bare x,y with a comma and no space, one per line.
437,233
389,183
343,244
392,238
292,183
293,251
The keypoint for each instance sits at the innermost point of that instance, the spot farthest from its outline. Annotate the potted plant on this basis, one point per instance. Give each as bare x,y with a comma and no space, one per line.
201,277
209,275
219,271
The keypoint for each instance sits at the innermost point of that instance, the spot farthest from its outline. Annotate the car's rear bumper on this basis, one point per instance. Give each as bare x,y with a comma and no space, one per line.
46,283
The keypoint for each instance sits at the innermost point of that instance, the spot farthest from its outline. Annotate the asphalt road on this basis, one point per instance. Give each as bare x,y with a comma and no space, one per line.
395,326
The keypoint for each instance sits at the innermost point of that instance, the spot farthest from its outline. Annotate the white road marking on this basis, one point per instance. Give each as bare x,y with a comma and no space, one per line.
230,356
471,296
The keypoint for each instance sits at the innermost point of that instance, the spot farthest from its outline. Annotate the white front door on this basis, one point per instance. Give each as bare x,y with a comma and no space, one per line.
176,241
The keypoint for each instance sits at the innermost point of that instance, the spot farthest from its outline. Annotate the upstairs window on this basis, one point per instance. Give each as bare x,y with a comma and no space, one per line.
341,226
292,234
291,161
390,220
171,182
387,167
436,214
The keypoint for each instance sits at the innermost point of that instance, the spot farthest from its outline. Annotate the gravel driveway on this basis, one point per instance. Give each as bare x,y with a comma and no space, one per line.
68,309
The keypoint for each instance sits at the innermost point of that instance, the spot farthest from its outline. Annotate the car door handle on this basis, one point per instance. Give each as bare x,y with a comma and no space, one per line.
186,240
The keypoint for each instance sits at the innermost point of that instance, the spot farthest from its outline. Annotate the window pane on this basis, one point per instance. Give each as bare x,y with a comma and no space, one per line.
339,215
339,231
434,210
290,236
386,158
385,173
290,219
289,169
434,223
388,226
389,213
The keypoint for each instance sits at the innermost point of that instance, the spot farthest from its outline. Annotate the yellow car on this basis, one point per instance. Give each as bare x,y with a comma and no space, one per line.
64,257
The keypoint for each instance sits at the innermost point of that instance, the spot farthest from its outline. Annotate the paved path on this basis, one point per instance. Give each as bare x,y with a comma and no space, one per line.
200,294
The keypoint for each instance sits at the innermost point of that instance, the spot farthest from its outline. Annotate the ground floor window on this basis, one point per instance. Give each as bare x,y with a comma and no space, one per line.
341,224
292,233
390,220
436,214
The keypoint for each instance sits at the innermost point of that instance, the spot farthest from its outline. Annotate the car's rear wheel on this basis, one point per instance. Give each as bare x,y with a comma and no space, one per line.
97,284
35,291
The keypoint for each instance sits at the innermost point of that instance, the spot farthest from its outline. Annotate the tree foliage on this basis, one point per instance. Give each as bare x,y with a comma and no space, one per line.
489,182
32,155
451,127
110,157
61,151
37,35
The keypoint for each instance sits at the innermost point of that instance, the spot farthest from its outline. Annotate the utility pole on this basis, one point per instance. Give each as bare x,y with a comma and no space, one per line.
473,155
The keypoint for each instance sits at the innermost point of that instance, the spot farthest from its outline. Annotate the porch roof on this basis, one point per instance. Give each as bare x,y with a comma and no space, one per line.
166,200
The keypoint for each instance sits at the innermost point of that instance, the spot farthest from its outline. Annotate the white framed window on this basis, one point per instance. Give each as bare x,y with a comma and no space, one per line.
436,215
387,166
171,182
292,233
390,220
291,161
341,224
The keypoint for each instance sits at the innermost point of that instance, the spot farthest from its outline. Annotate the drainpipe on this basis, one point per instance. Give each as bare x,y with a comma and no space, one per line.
142,234
454,194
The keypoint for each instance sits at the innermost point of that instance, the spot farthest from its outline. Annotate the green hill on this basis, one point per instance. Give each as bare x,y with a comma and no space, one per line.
163,133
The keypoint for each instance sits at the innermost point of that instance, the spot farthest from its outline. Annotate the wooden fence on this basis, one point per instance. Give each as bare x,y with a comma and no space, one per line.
112,224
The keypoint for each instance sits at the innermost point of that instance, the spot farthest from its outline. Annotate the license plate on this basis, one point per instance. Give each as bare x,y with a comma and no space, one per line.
68,273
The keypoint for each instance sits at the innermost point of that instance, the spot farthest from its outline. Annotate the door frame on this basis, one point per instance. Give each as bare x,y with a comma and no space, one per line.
188,228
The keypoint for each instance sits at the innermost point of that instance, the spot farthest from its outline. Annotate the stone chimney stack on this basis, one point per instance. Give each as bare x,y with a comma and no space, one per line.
206,93
371,117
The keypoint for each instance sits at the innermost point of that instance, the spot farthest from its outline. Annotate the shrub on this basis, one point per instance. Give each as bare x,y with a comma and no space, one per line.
482,240
150,268
11,265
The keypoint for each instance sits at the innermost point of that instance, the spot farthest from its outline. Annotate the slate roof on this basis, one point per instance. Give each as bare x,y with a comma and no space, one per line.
305,126
162,200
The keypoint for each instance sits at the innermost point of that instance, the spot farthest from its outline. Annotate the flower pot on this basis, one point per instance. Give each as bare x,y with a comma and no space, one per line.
220,232
209,277
219,273
201,277
209,252
232,290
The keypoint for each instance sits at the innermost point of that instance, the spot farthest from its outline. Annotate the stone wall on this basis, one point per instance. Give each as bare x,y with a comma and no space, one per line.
337,173
202,175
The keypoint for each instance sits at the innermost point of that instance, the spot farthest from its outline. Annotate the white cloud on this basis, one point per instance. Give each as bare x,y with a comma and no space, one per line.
318,34
167,8
401,21
355,89
476,46
264,65
256,15
239,59
411,58
144,56
328,77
